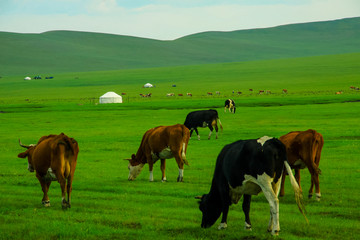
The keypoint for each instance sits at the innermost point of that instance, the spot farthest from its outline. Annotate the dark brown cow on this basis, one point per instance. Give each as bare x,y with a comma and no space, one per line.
53,158
161,142
304,150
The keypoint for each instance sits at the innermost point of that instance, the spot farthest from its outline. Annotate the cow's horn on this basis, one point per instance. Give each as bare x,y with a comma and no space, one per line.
22,145
127,159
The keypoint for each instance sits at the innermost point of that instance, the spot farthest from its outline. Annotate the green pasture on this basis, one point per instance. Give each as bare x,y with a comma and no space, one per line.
105,205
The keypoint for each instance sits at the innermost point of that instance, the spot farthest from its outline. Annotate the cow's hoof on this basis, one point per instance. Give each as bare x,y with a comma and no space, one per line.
310,196
180,179
46,203
248,227
222,226
65,205
275,233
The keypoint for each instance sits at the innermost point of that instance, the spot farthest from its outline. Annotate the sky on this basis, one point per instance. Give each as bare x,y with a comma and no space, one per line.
166,19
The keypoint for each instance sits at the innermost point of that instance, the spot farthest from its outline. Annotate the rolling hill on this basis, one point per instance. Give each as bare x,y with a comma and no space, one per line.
68,51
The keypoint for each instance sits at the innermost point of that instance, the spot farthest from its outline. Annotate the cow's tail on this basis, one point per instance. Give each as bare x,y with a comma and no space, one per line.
297,191
316,152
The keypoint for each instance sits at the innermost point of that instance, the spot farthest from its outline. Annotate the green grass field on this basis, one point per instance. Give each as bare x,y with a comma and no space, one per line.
105,205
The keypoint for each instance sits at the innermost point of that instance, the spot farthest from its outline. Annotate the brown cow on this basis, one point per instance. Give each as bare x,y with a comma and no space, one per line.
161,142
53,158
304,150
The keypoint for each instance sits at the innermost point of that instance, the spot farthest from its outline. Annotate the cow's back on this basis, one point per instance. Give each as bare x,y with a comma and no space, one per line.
42,155
164,136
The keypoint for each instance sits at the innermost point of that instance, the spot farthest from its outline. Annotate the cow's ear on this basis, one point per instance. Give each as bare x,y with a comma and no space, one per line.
133,157
22,155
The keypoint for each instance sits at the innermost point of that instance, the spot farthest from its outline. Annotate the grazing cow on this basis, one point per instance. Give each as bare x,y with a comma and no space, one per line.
170,94
230,104
217,92
239,93
161,142
180,94
338,93
285,91
203,118
251,90
189,94
209,93
268,92
261,91
53,158
304,150
352,87
247,167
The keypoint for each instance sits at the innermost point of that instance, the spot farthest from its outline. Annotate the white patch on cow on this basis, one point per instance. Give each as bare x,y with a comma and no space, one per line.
204,124
300,163
183,151
249,186
265,181
181,173
222,226
134,171
164,154
151,178
263,139
318,196
50,176
210,134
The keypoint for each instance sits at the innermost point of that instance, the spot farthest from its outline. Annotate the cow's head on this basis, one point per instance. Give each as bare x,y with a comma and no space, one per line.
28,153
210,209
134,167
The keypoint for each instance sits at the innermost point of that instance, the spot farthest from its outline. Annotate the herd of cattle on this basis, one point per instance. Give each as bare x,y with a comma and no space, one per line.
243,168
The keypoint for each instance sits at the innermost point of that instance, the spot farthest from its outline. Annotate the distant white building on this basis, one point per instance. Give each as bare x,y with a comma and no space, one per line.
110,97
27,78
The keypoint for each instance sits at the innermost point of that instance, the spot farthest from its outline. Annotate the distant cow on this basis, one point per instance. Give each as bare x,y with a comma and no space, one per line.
203,118
53,158
209,93
189,94
247,167
285,91
161,142
304,150
230,104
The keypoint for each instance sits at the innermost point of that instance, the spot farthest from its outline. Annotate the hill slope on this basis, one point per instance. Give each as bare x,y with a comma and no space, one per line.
66,51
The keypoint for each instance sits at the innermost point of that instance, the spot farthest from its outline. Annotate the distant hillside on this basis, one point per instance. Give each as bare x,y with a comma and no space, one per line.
67,51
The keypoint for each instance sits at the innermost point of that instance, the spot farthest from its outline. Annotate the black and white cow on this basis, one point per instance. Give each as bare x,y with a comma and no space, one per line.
247,167
203,118
230,104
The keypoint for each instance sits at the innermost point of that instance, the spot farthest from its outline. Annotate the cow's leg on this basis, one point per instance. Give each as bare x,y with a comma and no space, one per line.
225,202
45,188
216,130
69,189
151,166
265,184
191,131
315,181
282,187
246,210
197,133
180,162
162,167
211,130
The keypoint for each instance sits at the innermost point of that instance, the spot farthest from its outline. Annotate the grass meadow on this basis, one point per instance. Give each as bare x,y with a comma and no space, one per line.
105,205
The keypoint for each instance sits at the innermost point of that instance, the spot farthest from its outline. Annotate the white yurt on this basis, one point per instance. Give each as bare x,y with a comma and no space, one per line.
27,78
148,85
110,97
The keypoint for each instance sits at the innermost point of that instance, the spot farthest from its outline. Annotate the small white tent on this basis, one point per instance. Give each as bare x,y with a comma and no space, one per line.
110,97
148,85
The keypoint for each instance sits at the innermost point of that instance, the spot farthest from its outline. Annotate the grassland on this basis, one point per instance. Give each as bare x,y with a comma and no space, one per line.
105,205
65,51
